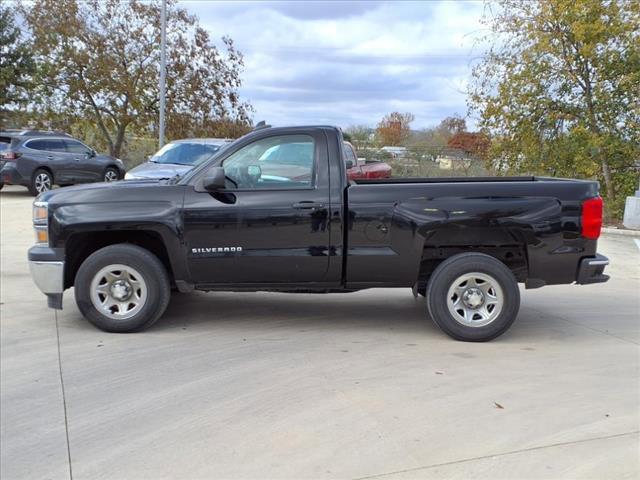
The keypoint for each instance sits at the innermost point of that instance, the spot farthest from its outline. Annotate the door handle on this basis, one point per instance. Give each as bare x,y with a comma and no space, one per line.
49,157
308,205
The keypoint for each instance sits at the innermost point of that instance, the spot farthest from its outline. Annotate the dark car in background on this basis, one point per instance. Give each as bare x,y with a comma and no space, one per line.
38,160
177,158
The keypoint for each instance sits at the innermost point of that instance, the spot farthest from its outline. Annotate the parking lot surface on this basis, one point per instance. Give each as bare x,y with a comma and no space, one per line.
267,385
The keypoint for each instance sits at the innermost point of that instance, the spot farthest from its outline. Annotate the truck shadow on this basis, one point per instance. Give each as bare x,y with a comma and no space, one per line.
298,311
362,311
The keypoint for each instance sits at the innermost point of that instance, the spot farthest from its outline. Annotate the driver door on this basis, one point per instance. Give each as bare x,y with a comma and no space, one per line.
85,167
270,224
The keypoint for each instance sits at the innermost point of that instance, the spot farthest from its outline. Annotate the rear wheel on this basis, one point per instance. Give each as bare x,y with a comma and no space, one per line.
122,288
42,181
111,175
473,297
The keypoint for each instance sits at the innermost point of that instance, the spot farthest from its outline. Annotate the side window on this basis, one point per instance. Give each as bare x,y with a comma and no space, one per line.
55,145
75,147
38,144
349,155
285,161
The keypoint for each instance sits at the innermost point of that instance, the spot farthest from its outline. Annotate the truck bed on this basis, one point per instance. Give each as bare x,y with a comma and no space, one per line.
400,180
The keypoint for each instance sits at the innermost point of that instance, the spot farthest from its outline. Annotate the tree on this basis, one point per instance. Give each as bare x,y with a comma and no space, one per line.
431,142
361,136
474,144
16,62
394,129
450,126
100,59
558,89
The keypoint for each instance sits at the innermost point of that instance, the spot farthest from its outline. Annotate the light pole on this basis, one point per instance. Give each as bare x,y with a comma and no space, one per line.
163,68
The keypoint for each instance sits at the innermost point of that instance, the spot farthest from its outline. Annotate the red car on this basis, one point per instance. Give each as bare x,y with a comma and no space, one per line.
356,170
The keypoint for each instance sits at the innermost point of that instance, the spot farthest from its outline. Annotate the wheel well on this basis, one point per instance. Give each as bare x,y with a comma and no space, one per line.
513,256
47,169
80,245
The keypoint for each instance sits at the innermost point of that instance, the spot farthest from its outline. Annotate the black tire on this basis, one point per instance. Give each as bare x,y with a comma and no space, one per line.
111,174
155,278
36,179
452,269
1,186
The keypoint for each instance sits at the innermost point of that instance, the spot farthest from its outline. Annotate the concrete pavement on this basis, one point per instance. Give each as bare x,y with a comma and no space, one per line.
266,385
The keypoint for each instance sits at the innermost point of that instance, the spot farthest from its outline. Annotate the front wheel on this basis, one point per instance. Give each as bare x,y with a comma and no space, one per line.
473,297
42,181
122,288
111,175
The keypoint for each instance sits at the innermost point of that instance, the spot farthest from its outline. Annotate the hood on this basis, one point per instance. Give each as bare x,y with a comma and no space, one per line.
72,192
157,170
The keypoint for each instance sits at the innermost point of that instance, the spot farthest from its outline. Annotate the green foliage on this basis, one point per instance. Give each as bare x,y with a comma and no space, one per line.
559,91
16,62
100,61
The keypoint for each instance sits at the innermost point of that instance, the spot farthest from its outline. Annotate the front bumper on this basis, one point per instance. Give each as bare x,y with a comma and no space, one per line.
591,270
47,270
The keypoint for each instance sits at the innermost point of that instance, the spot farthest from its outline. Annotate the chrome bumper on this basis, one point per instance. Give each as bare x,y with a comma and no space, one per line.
48,276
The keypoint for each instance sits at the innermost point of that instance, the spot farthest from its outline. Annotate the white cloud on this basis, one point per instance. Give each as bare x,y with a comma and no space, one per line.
349,62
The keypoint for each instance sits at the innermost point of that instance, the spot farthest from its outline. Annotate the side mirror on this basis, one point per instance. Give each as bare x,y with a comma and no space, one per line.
214,179
91,153
349,164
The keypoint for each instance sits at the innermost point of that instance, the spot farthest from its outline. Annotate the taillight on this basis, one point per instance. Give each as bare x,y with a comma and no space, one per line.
591,218
10,156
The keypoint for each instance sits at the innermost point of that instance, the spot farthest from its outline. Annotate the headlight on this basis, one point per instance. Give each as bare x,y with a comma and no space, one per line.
41,222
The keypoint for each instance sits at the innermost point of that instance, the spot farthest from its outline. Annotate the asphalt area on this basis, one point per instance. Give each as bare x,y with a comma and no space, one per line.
363,385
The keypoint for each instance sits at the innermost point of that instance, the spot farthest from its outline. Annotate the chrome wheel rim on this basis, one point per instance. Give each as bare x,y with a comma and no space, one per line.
118,291
43,182
475,299
110,176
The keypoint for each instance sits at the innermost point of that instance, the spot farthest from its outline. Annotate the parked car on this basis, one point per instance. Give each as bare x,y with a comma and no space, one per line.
275,211
361,169
38,160
177,158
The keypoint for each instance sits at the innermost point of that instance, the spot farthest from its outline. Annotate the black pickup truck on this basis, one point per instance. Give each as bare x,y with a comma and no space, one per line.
275,211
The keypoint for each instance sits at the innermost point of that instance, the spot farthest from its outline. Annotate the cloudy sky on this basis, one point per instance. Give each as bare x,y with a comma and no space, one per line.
350,62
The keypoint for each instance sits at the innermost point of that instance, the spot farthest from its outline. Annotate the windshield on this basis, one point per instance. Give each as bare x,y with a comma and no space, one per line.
185,153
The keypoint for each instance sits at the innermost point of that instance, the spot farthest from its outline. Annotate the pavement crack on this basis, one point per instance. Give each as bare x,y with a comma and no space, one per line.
64,397
501,454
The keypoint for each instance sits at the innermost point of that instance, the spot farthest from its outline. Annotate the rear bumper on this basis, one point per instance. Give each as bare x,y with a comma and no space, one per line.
47,270
591,270
9,175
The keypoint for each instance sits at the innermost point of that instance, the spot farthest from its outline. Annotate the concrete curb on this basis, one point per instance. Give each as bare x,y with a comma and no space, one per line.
620,231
